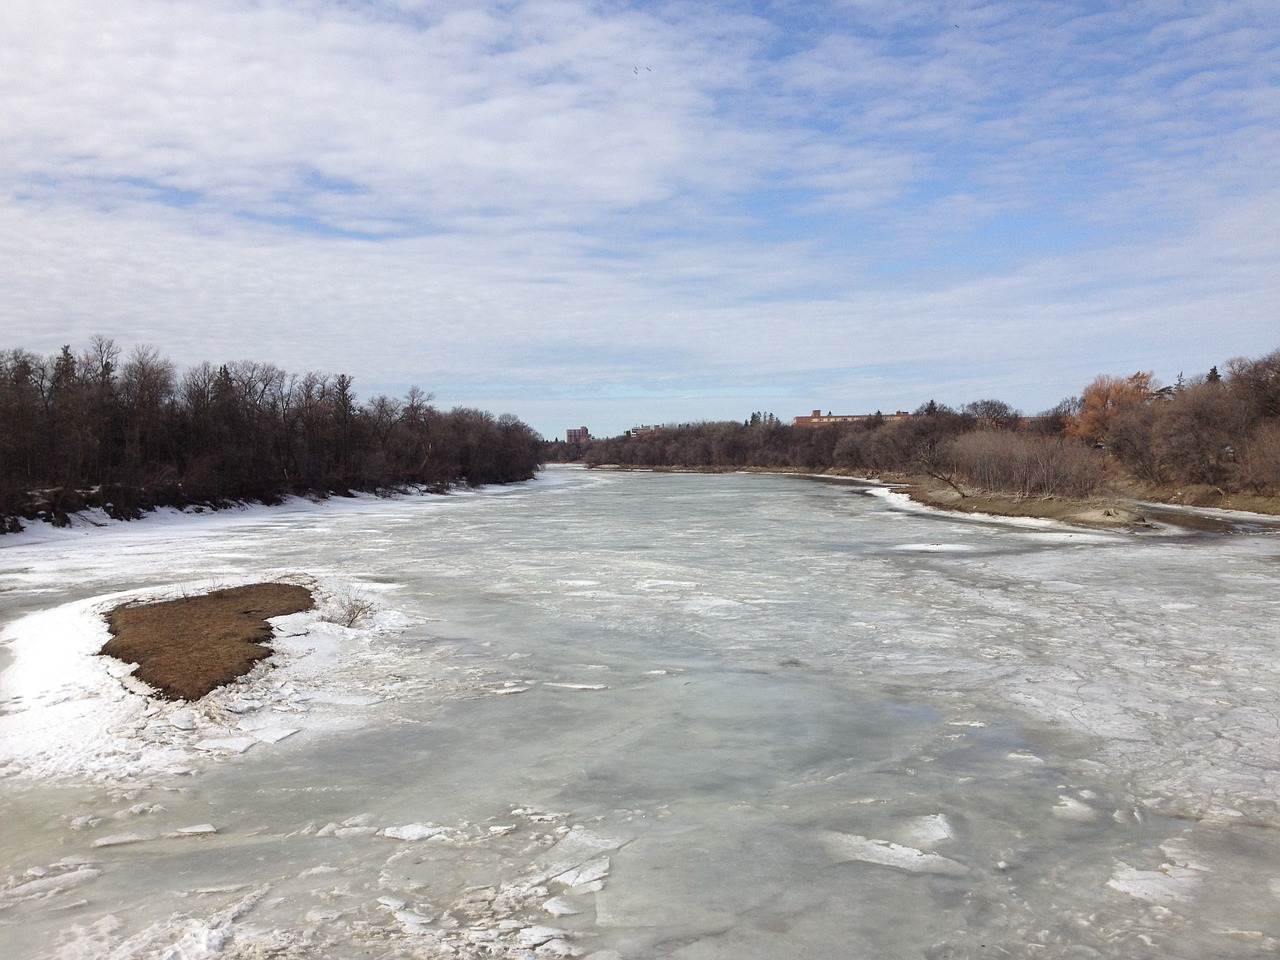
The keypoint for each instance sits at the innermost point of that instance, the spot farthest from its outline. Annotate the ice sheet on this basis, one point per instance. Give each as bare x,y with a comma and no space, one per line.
755,717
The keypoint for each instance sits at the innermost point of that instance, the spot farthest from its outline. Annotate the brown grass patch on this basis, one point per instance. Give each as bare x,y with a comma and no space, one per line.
187,647
1120,511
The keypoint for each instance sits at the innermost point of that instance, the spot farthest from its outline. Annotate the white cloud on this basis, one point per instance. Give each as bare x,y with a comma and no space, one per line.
859,199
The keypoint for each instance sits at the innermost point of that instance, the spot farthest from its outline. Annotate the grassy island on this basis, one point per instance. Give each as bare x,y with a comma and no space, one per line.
189,646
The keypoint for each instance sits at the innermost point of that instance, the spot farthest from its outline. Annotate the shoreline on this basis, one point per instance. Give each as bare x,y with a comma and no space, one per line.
95,520
1101,514
1132,510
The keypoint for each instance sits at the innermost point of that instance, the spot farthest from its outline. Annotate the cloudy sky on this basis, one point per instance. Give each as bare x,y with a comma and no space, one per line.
612,213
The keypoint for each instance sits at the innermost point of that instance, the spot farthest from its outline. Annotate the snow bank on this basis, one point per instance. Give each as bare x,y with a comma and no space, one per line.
66,711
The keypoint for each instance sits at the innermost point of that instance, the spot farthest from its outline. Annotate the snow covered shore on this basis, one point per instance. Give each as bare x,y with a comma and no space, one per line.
67,712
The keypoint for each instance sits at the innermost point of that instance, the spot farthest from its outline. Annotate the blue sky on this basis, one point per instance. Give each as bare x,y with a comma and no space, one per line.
618,213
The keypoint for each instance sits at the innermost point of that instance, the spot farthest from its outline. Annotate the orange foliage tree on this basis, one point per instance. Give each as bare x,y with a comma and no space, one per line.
1106,398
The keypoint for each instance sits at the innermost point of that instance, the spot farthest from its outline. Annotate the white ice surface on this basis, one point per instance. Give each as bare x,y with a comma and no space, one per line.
67,711
1156,659
845,847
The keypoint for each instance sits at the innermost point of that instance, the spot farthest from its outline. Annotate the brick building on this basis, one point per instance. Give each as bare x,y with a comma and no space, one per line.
819,419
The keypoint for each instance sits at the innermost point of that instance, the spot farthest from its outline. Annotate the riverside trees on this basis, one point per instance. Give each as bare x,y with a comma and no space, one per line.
131,433
1217,431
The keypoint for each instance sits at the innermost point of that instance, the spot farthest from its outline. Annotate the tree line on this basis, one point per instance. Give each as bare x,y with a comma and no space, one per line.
1218,430
130,433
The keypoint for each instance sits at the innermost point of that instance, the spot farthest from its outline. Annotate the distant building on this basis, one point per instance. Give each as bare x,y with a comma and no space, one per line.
819,419
578,435
643,431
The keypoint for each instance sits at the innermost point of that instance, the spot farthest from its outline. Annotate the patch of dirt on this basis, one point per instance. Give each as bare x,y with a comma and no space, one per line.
184,648
1089,513
1193,495
1119,511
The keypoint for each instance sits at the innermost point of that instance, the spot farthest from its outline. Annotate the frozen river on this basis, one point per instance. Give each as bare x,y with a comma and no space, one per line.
642,716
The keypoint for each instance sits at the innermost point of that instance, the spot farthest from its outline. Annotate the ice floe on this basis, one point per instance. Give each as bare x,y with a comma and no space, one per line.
48,884
929,831
1174,880
844,847
412,831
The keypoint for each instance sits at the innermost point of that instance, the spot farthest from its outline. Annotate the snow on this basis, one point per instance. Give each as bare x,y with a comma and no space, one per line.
68,711
821,726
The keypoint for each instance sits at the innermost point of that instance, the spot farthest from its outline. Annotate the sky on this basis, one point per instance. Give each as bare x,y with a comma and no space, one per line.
611,213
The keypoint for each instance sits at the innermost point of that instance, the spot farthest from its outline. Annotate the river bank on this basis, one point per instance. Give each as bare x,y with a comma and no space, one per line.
1131,505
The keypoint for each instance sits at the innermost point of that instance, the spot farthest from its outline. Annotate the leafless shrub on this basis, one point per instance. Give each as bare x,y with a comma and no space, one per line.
349,609
1131,439
1261,459
1026,466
